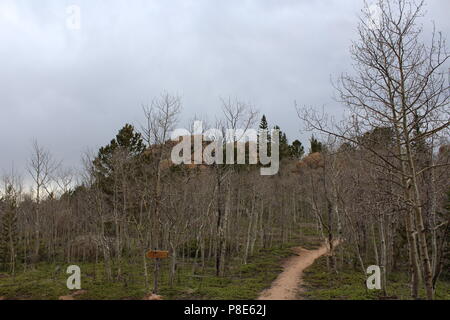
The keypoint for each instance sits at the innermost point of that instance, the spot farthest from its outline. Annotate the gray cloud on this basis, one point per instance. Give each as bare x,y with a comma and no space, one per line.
75,89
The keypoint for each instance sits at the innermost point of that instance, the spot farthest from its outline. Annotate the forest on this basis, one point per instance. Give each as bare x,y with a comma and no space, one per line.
373,185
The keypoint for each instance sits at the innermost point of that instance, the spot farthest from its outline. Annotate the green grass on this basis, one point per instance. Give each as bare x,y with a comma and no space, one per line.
240,282
319,284
246,281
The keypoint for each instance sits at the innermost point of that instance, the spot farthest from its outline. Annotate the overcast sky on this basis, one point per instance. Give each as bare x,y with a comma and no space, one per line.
73,89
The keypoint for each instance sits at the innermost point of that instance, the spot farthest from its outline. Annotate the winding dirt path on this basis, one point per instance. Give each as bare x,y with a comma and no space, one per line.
287,285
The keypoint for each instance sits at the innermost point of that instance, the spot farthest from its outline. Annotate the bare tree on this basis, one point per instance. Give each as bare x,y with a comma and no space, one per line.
41,168
12,193
237,115
161,118
399,84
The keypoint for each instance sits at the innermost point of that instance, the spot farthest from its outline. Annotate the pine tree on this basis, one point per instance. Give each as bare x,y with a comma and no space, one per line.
126,140
315,145
284,144
296,150
264,128
263,124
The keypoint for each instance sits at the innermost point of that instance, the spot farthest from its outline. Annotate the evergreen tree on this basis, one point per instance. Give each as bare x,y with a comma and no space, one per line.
263,126
128,141
315,145
284,144
296,150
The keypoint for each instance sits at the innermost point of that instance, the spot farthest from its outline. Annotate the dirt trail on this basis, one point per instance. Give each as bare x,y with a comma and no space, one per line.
287,285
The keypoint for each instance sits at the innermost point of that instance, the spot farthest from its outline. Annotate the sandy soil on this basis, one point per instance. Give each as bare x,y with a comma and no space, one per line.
288,284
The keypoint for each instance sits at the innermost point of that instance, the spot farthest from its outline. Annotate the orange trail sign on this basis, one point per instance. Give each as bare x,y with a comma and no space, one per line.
157,254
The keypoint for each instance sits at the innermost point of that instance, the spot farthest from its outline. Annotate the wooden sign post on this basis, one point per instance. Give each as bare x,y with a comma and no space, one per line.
157,255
